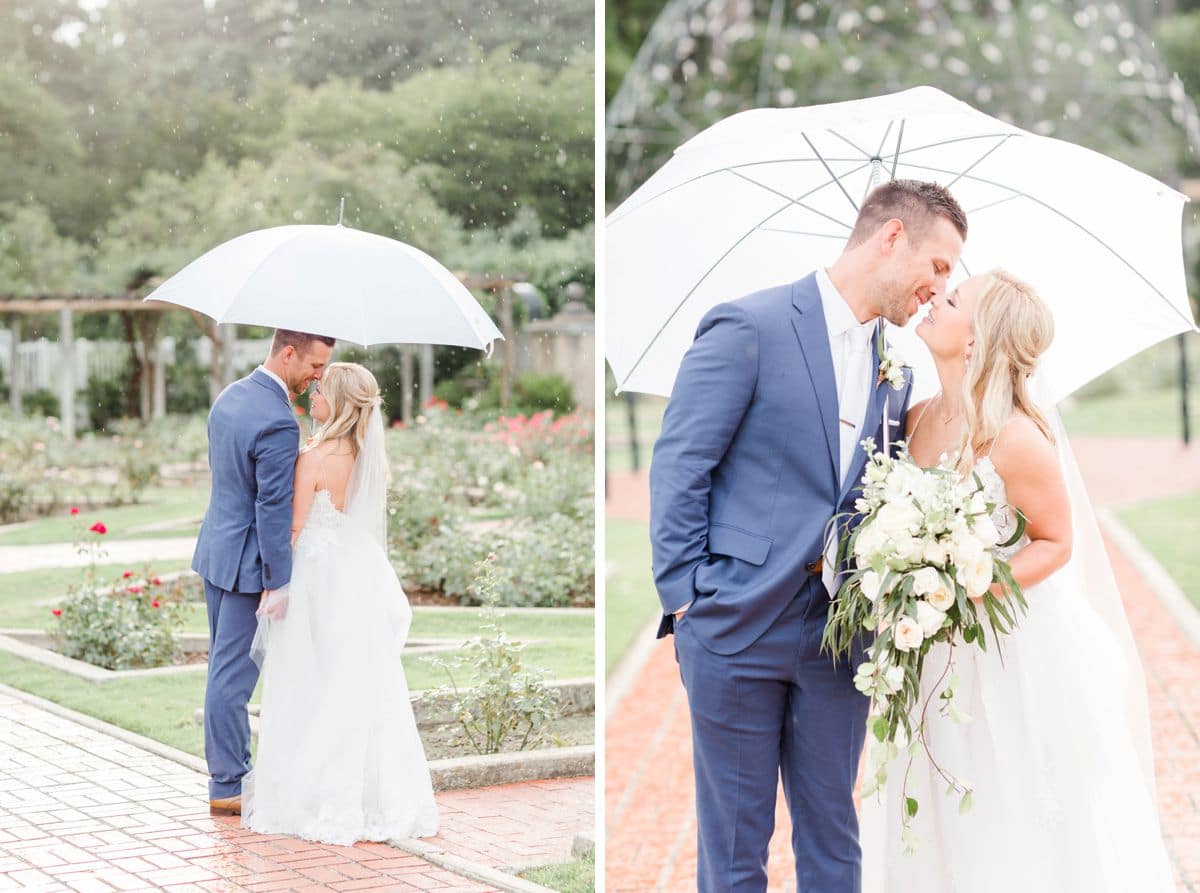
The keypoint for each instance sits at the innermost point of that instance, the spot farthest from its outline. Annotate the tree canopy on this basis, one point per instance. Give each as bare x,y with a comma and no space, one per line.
139,133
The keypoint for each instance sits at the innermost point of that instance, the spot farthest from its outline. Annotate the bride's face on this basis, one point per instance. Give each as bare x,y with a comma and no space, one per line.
318,406
947,328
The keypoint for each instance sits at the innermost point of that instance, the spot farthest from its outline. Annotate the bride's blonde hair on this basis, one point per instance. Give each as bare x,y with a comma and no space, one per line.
351,392
1013,327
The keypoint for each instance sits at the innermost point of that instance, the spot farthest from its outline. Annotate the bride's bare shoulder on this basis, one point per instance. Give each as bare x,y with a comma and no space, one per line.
1022,446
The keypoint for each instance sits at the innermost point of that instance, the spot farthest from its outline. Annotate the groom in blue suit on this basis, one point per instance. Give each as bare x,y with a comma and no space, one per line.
759,449
244,549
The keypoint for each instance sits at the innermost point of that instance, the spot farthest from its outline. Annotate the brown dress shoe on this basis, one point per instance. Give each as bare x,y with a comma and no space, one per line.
226,806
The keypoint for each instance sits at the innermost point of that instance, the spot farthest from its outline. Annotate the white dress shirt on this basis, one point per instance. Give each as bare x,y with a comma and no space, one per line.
283,387
850,347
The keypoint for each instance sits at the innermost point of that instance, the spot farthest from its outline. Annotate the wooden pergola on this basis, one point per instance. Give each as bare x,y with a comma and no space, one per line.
143,325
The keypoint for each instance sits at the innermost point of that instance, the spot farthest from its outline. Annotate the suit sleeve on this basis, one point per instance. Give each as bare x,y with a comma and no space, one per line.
275,454
713,389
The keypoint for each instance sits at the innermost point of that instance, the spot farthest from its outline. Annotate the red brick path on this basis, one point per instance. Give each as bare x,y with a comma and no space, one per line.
651,833
81,810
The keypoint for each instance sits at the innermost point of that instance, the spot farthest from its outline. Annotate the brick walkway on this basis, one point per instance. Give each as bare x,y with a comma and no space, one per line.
81,810
651,830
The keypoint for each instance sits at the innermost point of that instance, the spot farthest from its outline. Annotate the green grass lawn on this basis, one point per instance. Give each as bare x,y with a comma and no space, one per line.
159,505
618,453
568,877
630,599
1170,529
163,707
1144,414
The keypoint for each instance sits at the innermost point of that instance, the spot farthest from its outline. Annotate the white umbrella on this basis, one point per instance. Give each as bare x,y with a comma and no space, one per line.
332,280
764,197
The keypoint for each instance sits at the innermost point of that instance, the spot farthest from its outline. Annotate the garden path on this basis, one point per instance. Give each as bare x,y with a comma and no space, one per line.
14,559
651,838
83,810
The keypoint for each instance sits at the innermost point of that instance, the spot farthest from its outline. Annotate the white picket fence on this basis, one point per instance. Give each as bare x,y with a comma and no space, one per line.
37,364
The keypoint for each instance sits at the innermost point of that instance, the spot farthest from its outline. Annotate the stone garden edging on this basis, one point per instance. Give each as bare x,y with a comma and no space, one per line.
451,774
487,770
575,696
37,645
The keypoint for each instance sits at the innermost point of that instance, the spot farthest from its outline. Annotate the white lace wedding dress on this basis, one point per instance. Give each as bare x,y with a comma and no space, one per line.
339,758
1062,801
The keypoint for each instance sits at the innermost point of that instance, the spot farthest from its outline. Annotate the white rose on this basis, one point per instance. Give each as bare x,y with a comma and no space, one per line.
869,542
986,531
941,598
978,504
870,584
976,575
907,634
909,548
899,517
904,481
893,679
965,548
930,618
926,580
935,553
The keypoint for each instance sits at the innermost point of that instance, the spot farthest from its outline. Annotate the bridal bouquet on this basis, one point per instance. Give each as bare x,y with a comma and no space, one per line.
925,552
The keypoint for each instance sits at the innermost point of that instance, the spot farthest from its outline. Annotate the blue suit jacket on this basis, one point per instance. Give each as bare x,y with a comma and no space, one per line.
253,441
745,477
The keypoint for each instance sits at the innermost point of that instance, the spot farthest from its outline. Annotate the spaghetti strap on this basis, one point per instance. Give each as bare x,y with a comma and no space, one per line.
996,439
920,416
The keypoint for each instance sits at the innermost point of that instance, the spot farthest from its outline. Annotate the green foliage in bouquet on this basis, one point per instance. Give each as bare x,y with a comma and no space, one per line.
927,569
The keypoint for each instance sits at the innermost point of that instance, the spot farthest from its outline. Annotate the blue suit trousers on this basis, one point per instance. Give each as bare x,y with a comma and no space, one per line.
232,676
777,708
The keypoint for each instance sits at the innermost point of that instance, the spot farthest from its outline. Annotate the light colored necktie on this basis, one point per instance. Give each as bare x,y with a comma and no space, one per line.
852,405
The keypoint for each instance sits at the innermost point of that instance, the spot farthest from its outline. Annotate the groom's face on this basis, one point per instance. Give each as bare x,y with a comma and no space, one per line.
302,368
916,269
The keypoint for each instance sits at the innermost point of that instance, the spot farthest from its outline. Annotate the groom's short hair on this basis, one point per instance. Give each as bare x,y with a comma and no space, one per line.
916,203
298,340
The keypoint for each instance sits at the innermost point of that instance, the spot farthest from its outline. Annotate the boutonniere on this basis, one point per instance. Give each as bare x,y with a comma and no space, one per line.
891,363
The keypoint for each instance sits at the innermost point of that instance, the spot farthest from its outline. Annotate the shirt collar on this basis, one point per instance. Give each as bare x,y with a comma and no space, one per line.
839,319
278,381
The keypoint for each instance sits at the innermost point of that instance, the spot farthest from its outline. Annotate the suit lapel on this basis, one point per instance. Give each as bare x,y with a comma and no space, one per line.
270,384
813,334
870,423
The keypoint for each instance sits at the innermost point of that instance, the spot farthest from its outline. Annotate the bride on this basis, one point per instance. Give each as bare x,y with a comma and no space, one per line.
339,758
1057,751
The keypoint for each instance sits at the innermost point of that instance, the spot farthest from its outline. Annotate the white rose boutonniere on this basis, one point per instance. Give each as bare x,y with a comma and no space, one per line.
891,363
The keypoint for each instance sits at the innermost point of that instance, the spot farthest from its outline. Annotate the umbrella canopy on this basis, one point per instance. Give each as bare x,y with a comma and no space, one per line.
766,196
332,280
